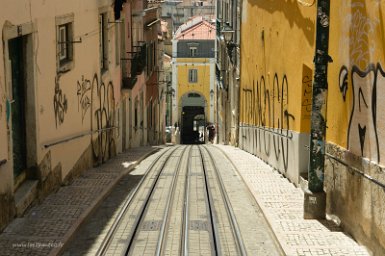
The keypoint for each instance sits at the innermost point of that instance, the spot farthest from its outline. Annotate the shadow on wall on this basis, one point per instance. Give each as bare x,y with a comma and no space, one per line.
293,14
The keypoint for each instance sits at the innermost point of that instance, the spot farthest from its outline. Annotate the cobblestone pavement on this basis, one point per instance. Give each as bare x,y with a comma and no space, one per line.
46,227
282,205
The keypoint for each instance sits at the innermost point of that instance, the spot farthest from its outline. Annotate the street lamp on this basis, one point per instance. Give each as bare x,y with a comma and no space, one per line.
228,33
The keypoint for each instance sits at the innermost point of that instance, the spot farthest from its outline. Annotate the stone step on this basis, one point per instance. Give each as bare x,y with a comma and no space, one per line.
25,195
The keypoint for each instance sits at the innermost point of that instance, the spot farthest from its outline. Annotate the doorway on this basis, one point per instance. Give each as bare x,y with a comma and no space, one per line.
193,125
17,56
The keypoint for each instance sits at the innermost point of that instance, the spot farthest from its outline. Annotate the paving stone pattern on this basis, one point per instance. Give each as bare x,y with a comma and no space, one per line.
282,205
46,227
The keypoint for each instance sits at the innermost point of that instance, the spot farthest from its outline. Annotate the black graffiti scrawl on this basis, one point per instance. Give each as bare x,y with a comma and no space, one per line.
367,87
60,103
84,102
271,110
102,119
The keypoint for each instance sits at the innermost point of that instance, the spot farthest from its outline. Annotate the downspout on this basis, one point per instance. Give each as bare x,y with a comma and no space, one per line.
315,197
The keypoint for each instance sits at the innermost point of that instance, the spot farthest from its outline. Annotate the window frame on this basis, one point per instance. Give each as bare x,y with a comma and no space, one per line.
103,42
65,41
193,51
193,75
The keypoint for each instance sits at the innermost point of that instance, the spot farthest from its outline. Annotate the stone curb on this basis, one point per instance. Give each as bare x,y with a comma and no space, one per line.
83,217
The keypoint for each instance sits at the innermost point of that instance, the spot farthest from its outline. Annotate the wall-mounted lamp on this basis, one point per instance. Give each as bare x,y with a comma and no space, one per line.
211,93
228,33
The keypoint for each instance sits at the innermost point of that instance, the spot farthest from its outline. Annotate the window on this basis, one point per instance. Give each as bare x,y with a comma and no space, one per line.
118,43
136,114
65,42
192,75
103,42
193,51
151,57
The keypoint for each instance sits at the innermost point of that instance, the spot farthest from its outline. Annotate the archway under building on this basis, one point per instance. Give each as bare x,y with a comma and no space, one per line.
193,118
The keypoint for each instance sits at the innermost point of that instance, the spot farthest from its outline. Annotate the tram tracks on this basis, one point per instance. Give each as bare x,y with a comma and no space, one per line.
125,224
180,207
228,239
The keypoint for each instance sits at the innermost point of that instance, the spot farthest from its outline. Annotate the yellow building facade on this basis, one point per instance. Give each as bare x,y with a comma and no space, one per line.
193,77
277,49
203,84
277,52
355,159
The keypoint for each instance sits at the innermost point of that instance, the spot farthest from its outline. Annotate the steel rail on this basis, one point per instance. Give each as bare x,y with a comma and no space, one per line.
210,202
229,208
186,207
107,240
170,198
142,211
273,235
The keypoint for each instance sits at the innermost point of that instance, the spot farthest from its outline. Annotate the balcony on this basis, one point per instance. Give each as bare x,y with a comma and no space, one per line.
138,63
129,82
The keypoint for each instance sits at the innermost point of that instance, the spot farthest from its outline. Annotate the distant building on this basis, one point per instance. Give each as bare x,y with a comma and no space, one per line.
193,70
178,12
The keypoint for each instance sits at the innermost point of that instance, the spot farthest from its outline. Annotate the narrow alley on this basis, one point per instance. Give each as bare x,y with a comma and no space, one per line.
196,200
192,127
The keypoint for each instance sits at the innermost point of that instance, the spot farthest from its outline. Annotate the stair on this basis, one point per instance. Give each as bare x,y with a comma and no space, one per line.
25,195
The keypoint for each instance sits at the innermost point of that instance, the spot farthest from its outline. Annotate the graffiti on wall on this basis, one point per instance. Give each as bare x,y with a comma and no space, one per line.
306,98
366,113
60,104
357,29
102,119
269,107
343,81
84,102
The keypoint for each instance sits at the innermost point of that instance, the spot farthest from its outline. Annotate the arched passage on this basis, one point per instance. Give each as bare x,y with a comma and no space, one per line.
193,118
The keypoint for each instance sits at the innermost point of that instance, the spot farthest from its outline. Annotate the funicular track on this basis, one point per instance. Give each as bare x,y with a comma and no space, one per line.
180,207
226,232
127,222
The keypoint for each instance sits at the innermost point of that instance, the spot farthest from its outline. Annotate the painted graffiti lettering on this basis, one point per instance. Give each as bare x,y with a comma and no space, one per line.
60,103
271,110
343,81
84,102
102,119
362,27
306,101
362,138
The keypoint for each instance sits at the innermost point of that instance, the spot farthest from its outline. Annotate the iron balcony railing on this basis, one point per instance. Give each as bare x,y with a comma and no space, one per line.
138,63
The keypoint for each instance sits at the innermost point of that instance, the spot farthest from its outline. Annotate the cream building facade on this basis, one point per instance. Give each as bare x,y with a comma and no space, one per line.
69,97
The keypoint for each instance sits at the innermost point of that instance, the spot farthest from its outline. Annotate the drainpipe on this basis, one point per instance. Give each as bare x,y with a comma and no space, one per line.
315,197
